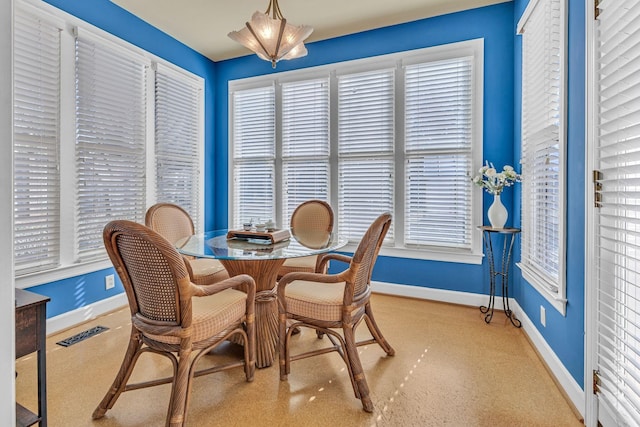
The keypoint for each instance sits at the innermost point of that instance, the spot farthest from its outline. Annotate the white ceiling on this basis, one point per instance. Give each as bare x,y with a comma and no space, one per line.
203,25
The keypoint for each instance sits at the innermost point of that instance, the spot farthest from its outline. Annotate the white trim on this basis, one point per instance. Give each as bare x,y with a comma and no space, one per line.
440,295
431,254
590,305
541,285
66,272
7,290
570,386
526,15
86,313
534,277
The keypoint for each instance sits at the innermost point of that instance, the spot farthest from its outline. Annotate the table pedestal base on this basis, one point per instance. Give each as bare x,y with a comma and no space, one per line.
265,273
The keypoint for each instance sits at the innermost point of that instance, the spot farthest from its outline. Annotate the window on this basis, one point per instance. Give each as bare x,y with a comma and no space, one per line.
438,141
178,141
36,141
543,148
82,150
398,133
254,154
110,140
305,143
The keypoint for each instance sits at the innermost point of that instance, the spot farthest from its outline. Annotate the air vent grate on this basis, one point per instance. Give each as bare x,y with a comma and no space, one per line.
82,336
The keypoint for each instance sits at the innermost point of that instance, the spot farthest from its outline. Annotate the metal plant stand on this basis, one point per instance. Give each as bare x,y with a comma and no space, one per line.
509,235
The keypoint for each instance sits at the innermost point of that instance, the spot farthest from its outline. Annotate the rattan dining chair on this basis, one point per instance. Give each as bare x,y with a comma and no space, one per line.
173,317
174,223
329,303
311,224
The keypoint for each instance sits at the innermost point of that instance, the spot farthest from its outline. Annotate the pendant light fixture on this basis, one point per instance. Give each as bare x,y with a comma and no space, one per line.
271,37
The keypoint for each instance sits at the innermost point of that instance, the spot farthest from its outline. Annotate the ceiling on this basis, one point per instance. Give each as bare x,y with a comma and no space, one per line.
203,25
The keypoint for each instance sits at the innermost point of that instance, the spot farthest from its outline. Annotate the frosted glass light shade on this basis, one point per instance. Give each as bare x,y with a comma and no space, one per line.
273,39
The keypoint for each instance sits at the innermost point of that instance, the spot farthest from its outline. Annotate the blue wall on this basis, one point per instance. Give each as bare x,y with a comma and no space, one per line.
564,334
493,23
69,294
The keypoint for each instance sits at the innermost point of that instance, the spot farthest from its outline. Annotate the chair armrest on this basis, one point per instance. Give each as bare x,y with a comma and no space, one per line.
188,265
241,281
323,260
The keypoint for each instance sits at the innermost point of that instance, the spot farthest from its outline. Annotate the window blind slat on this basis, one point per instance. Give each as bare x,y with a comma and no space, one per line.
365,146
305,144
542,146
253,155
438,129
36,197
110,141
617,231
178,140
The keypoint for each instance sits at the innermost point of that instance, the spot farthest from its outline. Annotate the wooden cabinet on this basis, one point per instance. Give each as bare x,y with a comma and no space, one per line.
31,334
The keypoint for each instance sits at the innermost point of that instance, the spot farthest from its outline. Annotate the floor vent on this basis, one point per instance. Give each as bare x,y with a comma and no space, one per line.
82,336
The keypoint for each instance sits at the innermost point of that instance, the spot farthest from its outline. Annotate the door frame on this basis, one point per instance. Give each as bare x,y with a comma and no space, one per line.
590,306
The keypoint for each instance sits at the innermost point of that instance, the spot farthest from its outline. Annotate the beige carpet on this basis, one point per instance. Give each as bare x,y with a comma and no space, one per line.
450,369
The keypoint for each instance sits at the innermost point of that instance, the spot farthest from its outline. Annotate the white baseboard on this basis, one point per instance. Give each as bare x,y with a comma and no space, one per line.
571,388
82,314
453,297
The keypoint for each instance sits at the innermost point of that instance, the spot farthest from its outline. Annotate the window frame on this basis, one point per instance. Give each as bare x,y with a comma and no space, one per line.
473,48
537,277
69,266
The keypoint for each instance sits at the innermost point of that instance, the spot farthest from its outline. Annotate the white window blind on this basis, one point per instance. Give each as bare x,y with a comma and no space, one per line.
438,150
110,139
253,155
617,220
543,146
365,150
396,133
36,141
305,144
84,140
178,140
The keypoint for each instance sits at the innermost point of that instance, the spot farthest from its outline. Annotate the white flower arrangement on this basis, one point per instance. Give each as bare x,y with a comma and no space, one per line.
493,181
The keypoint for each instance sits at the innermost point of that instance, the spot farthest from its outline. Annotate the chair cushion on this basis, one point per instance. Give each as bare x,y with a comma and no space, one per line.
212,314
205,266
302,262
322,301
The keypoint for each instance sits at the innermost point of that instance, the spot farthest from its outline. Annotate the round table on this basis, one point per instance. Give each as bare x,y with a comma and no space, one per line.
260,259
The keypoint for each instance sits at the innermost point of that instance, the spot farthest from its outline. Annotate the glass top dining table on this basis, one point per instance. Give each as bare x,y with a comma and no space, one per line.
260,259
215,244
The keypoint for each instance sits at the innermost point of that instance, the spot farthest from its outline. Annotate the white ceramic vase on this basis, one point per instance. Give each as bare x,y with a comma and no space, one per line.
497,213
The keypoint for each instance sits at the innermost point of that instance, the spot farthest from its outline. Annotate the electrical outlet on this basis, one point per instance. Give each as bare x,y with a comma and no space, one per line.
543,316
109,282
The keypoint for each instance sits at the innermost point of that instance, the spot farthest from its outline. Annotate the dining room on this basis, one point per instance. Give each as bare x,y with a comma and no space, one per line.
235,139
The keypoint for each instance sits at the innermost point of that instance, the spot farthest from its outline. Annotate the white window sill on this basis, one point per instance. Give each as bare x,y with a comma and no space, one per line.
539,284
425,254
60,273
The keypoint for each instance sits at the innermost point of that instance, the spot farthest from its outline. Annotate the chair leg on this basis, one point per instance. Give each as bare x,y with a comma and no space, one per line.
250,351
375,330
362,388
283,346
180,389
129,361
